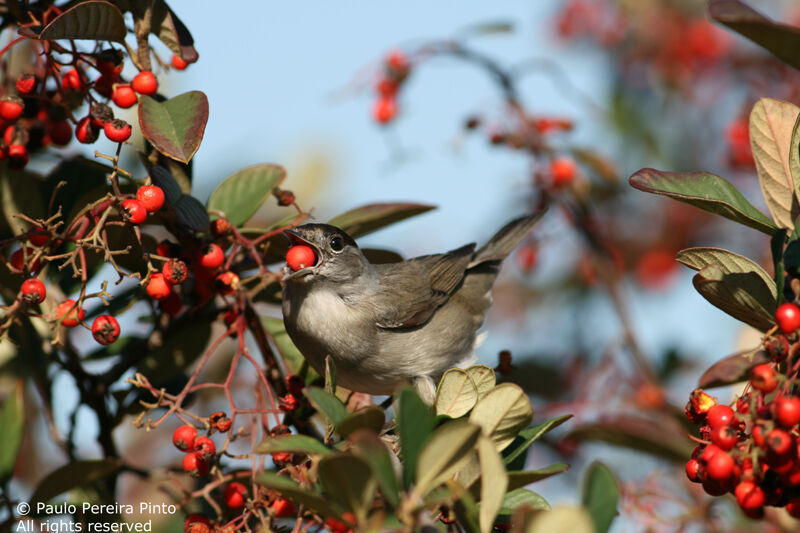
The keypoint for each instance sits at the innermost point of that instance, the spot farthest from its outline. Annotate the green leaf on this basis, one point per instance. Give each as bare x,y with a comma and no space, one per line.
291,490
771,125
744,296
327,404
348,480
371,417
444,453
369,218
372,449
531,435
11,420
292,443
163,177
729,262
96,20
456,393
780,39
415,422
528,498
663,439
20,192
191,213
600,496
242,193
520,479
494,481
175,127
705,191
484,379
179,350
291,355
732,369
73,475
502,413
561,519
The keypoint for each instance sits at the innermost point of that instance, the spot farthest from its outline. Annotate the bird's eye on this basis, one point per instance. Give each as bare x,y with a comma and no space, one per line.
337,244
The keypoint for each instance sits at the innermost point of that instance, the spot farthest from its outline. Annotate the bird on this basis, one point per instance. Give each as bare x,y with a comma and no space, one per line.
389,326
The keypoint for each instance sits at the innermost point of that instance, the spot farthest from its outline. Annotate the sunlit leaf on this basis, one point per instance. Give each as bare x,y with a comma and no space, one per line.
483,377
728,262
494,481
456,393
241,194
502,413
528,498
744,296
445,453
561,519
771,125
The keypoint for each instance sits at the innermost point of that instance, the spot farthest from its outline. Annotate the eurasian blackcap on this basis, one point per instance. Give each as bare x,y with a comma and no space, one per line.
390,325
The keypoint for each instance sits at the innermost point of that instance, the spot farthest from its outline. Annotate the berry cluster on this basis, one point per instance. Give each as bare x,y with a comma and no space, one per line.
396,69
753,451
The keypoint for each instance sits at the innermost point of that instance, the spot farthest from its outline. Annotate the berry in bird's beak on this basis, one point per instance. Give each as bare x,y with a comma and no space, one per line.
300,256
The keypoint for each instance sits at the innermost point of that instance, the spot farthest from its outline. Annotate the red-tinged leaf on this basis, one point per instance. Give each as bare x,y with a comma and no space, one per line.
369,218
166,25
732,369
705,191
96,20
175,127
662,437
781,40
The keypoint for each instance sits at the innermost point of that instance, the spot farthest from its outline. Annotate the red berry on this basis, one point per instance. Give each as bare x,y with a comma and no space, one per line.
212,256
158,287
384,110
787,411
33,291
151,196
337,526
725,437
788,317
71,81
386,88
117,130
178,62
762,377
526,257
693,470
133,211
195,466
226,283
21,259
172,304
184,437
105,329
720,466
749,496
288,403
779,442
86,132
11,108
145,83
37,236
713,488
282,508
205,447
300,256
281,458
167,249
175,271
26,83
124,96
224,425
195,518
563,170
759,436
397,60
69,314
235,494
720,415
17,155
793,508
60,132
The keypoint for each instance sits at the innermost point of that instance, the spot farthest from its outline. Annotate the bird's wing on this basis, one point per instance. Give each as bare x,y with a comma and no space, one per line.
419,286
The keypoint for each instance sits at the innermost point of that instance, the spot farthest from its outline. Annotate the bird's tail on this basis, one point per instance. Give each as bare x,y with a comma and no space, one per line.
505,240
